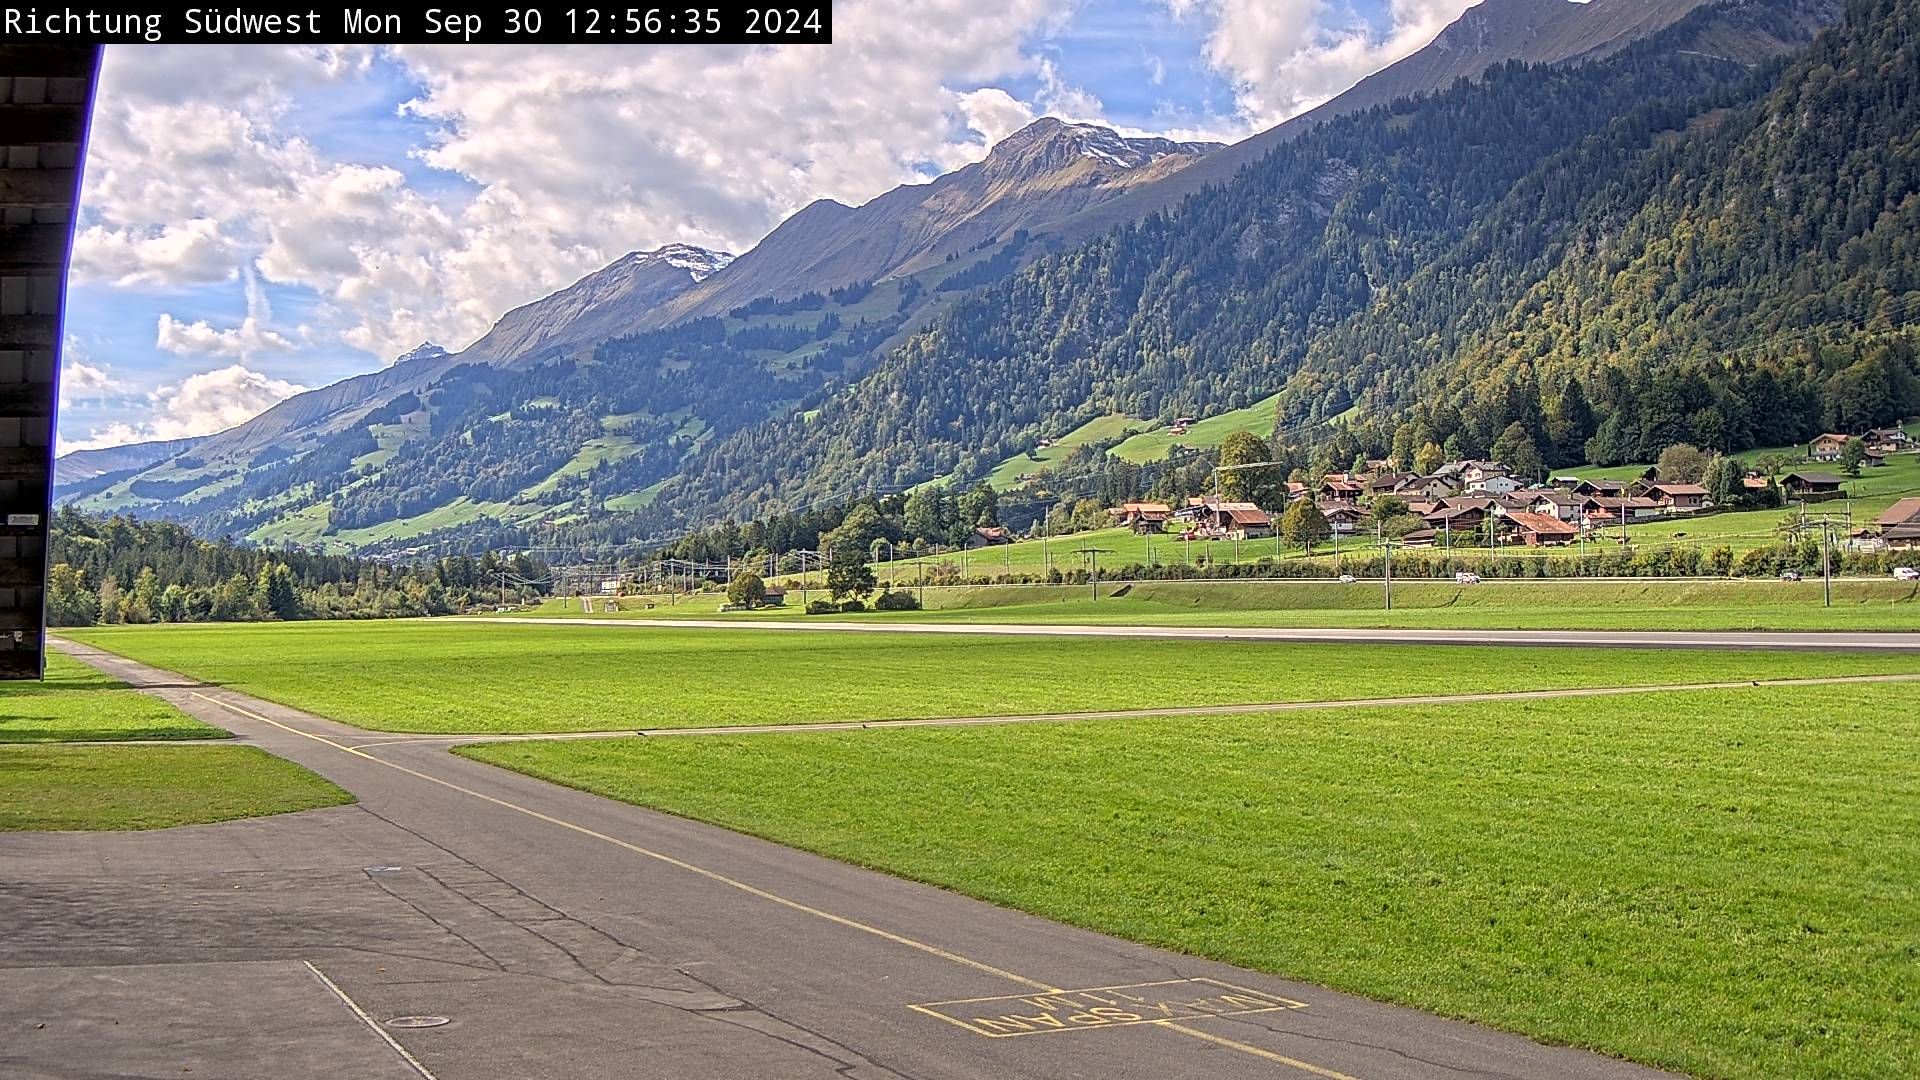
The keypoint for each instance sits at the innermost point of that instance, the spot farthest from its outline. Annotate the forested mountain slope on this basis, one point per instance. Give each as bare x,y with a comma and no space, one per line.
1486,35
1219,304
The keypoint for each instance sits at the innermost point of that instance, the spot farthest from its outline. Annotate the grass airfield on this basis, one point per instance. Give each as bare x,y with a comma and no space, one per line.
1723,882
1719,882
460,676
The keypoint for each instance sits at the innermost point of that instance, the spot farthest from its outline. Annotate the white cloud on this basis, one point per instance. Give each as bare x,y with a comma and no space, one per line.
193,252
1283,57
199,168
196,169
83,380
201,338
201,404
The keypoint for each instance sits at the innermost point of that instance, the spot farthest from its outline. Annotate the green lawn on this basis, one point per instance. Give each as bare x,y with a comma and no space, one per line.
150,787
1725,883
474,675
78,704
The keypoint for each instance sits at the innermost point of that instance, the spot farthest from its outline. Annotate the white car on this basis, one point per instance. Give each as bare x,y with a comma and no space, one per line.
1347,579
1466,578
1906,573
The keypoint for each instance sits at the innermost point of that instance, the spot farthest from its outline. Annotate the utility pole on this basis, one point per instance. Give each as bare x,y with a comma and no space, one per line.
1826,558
1388,545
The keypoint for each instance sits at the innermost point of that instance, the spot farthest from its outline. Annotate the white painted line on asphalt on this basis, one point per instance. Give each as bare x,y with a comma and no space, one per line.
424,1072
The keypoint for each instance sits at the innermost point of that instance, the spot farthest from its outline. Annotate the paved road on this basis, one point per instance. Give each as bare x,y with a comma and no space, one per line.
570,936
1622,639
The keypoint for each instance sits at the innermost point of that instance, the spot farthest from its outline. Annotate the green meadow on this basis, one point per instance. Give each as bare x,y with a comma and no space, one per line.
1725,883
489,676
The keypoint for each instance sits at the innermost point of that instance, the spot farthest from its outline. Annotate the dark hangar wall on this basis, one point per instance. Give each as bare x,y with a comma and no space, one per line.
45,92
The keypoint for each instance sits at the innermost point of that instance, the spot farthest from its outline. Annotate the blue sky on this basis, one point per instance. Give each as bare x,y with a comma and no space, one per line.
268,219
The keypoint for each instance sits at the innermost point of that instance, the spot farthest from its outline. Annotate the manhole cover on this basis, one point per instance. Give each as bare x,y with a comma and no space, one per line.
417,1021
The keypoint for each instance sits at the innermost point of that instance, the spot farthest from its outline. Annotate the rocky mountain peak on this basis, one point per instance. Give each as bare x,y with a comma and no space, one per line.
1052,143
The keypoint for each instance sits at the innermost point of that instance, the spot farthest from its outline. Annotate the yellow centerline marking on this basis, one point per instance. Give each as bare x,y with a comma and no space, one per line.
712,875
735,883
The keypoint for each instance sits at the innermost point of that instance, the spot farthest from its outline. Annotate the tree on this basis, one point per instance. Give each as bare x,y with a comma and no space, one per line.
746,590
1569,424
69,601
275,594
1515,449
1428,458
847,571
1852,455
1247,485
1304,524
1681,463
979,507
923,512
1724,480
848,549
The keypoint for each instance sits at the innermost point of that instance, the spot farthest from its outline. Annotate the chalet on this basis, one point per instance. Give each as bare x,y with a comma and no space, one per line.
1432,488
1343,490
1676,498
776,596
1449,518
1475,472
1899,526
1343,517
1601,488
1904,512
1754,483
1419,538
1141,517
988,536
1601,511
1811,483
1557,504
1238,520
1387,483
1889,436
1378,465
1494,484
1297,490
1540,530
1828,447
